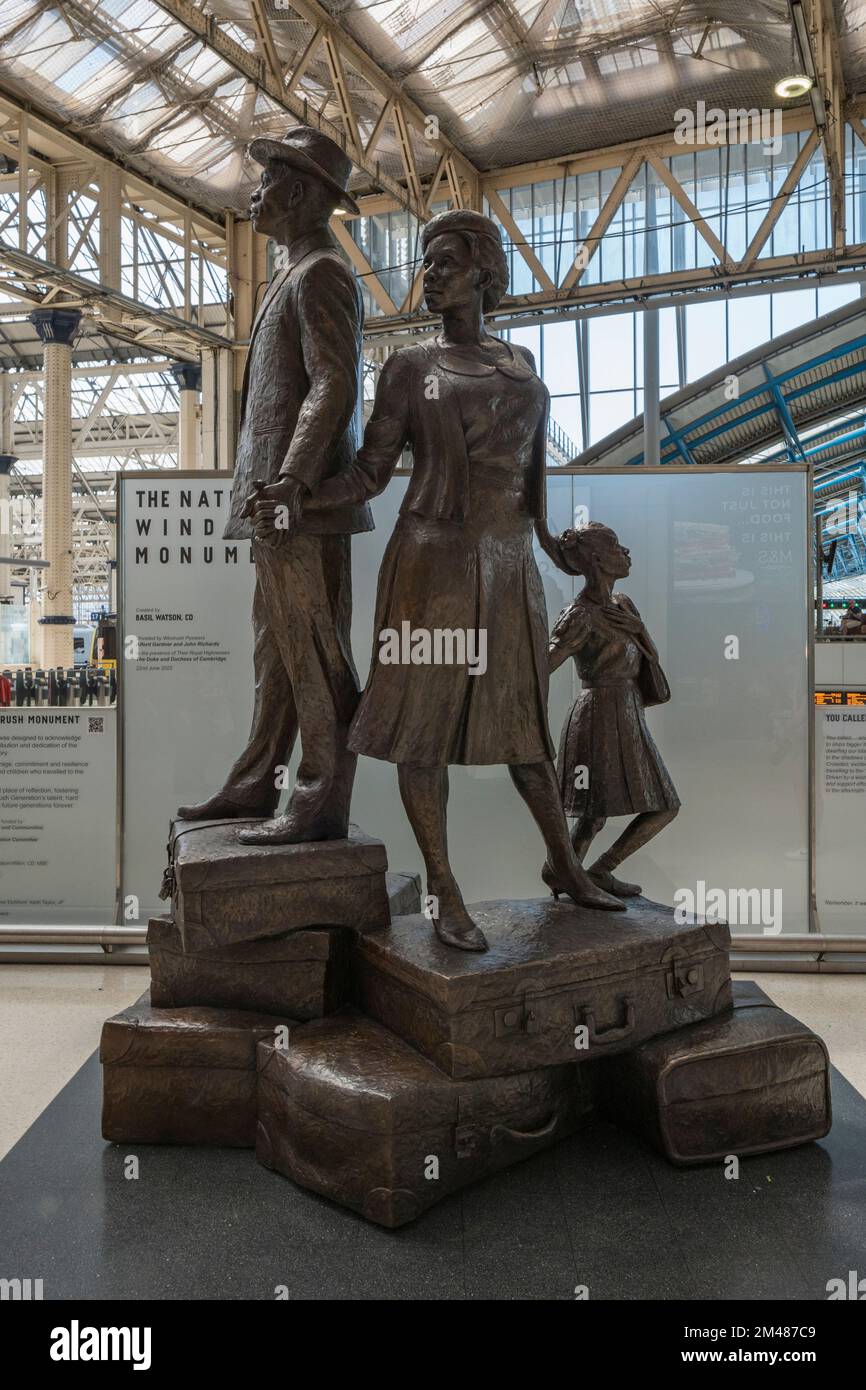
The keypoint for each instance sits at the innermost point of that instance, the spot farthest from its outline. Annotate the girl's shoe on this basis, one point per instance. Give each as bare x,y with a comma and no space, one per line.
580,888
603,878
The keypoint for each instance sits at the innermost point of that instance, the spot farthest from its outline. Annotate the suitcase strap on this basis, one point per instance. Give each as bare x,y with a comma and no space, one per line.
168,884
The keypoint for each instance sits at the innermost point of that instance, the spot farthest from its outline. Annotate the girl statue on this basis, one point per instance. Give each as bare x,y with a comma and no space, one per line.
608,764
460,563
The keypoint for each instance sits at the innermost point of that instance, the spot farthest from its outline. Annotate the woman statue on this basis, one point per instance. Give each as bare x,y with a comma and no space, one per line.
608,763
460,563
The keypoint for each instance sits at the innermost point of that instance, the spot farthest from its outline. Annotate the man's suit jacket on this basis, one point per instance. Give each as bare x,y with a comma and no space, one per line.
301,386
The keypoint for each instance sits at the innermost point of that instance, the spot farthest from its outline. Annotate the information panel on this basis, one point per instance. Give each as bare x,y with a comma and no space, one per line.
58,816
186,653
840,739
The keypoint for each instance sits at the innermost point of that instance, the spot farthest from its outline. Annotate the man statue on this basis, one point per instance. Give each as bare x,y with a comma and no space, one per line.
296,430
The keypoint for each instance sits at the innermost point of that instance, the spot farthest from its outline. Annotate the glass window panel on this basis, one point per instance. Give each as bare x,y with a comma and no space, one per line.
748,324
834,296
706,338
528,338
792,310
559,355
608,411
785,239
611,352
668,368
565,412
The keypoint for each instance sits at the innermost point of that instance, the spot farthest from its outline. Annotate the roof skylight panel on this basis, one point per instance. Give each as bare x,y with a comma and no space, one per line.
189,145
199,66
411,22
231,96
267,109
12,12
626,59
96,73
226,171
148,29
469,67
134,114
46,45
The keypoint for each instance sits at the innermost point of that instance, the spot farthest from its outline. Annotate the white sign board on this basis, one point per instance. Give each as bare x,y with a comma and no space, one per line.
58,816
185,599
840,866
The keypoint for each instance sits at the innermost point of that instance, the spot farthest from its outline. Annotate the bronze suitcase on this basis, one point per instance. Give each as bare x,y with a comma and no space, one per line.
748,1082
355,1114
558,984
181,1076
223,892
302,975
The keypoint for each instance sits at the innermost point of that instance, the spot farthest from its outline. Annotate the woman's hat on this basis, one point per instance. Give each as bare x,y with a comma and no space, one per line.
313,153
460,220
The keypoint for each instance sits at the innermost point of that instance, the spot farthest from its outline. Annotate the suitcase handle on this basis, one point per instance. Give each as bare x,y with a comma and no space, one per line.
526,1136
617,1032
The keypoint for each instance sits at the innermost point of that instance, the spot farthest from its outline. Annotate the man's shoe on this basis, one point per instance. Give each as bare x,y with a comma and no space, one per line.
219,807
290,830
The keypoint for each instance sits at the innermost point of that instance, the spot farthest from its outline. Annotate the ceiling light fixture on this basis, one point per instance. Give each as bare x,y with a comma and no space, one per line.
796,86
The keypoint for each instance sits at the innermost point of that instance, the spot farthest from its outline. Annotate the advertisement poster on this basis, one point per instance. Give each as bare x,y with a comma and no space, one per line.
186,656
841,812
58,816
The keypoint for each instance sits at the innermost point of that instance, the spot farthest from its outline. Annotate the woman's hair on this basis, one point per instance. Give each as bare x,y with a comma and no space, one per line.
485,246
580,545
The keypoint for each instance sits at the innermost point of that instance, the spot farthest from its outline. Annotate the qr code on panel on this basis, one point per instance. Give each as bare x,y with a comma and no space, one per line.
96,725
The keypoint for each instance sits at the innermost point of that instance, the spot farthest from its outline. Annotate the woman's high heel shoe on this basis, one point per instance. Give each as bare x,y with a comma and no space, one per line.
460,932
581,890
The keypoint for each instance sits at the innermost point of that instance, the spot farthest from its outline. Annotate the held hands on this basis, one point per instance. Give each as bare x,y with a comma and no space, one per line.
551,545
275,510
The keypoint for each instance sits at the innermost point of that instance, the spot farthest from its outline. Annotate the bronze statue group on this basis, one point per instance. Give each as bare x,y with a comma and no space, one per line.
473,411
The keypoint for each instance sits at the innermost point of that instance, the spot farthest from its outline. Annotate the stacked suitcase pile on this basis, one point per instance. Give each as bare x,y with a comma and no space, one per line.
370,1064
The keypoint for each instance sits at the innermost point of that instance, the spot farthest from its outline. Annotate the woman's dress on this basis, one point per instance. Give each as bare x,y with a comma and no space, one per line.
476,578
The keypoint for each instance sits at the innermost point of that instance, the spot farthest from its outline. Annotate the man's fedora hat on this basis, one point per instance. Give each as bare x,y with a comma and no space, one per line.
313,153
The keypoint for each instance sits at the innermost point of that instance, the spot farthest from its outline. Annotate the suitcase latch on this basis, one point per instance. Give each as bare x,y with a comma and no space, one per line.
466,1141
683,979
167,886
516,1018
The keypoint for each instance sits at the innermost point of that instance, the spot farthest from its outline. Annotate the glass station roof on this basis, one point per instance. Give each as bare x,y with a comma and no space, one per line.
509,80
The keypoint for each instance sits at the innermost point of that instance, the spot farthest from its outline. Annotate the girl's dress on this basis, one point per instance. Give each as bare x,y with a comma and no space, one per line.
606,731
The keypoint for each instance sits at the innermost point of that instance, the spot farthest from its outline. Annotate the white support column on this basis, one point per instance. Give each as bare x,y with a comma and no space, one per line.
651,377
7,437
188,377
651,388
209,409
57,328
112,564
7,463
34,609
217,409
226,429
109,225
68,179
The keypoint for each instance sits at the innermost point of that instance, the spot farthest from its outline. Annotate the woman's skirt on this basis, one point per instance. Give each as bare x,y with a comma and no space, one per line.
608,764
459,666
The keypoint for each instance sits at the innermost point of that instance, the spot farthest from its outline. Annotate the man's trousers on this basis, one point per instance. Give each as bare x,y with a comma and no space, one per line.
306,683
